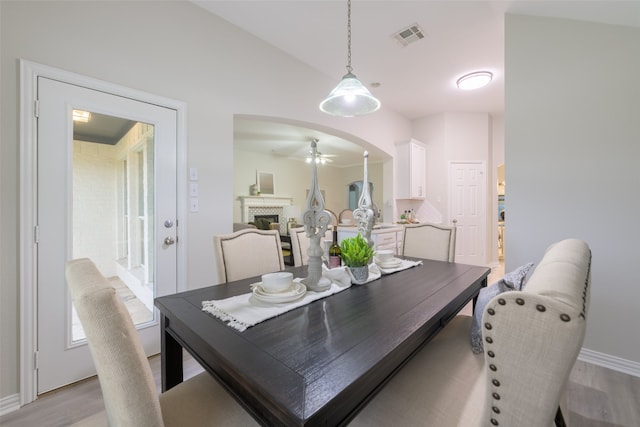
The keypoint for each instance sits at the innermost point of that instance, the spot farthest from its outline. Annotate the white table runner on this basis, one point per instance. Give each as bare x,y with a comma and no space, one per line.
243,311
403,266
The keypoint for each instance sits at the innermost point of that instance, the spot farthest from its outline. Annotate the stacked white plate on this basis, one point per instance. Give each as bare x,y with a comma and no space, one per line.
297,290
391,263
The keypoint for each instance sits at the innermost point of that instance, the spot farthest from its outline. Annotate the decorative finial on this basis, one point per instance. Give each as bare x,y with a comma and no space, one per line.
316,221
364,213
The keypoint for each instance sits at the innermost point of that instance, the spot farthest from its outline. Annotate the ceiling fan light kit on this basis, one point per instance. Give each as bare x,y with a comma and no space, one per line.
350,98
474,80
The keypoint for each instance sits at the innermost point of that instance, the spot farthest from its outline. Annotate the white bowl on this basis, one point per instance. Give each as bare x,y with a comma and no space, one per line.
276,282
384,255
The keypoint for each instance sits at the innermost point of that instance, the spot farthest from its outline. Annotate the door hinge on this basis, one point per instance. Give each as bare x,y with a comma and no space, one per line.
36,108
36,234
35,361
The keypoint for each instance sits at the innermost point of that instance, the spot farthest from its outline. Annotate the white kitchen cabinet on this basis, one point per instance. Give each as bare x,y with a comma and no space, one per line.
383,238
410,177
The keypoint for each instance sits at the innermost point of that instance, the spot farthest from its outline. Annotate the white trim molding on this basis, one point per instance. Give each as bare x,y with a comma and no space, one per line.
9,404
608,361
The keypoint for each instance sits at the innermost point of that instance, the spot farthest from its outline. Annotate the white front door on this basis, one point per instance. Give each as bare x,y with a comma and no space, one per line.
467,206
113,201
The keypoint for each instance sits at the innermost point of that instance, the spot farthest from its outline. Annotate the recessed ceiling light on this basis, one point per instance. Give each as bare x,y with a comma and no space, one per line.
81,116
474,80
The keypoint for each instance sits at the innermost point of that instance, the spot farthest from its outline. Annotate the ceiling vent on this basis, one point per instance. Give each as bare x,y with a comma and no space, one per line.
409,35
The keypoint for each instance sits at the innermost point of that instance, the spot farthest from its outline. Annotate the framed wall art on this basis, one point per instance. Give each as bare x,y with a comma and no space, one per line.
265,183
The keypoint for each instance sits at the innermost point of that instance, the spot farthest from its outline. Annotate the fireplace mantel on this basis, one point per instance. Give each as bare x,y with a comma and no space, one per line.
248,202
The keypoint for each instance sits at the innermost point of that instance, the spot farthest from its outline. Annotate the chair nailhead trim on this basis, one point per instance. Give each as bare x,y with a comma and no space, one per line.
541,308
565,317
494,421
495,383
519,301
491,353
495,409
491,311
489,340
501,301
493,367
496,396
488,326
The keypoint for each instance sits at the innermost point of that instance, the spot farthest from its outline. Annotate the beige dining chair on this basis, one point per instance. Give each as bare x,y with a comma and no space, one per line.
531,341
247,253
429,241
300,244
334,217
346,214
124,373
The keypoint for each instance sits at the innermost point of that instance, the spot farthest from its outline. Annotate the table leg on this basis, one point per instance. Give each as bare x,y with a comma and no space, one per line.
170,357
475,299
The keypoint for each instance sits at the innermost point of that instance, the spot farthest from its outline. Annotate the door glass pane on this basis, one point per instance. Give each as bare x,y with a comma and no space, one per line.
113,207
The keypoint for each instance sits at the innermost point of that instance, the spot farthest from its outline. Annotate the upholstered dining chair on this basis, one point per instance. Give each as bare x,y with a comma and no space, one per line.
346,214
124,373
300,245
248,253
531,341
430,241
334,217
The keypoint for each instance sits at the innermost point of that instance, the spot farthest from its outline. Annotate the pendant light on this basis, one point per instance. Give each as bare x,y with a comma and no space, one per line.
350,98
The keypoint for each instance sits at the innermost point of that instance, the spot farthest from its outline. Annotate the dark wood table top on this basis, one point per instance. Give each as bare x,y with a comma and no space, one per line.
321,363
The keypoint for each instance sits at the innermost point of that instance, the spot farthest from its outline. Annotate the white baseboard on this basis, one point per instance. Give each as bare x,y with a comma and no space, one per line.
9,404
611,362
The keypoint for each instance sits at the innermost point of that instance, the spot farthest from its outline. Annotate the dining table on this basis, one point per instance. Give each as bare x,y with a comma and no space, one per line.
320,363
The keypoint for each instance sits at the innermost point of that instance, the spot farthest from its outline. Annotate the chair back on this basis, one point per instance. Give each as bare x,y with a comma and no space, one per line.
248,253
346,214
334,217
532,339
126,380
429,241
300,245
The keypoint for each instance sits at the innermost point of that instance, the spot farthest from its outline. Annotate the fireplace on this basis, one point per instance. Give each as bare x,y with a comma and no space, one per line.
272,208
270,217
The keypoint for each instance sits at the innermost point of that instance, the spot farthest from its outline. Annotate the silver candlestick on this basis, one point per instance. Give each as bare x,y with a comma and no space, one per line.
364,213
316,221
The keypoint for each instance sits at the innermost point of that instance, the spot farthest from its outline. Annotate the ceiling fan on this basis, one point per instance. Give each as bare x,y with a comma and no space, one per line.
319,158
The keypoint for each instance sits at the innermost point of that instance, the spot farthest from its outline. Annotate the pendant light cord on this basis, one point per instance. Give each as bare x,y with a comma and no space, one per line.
349,69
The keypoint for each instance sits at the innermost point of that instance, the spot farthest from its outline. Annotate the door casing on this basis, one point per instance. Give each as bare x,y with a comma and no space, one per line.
29,73
463,238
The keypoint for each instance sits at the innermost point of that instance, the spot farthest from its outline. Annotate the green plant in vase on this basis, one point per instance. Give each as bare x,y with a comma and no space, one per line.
356,254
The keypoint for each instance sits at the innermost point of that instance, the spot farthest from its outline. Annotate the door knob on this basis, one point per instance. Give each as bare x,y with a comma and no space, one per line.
169,241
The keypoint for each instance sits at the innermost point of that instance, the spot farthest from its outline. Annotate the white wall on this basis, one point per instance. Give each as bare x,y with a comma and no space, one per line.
94,207
572,130
176,50
457,137
293,179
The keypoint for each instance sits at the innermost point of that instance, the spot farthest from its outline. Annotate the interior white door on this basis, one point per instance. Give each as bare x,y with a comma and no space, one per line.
467,206
114,203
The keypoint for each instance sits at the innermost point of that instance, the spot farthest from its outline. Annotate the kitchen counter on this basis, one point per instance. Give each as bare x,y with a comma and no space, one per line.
384,236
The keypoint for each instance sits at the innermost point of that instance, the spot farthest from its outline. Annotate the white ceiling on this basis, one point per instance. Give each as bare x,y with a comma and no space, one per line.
419,79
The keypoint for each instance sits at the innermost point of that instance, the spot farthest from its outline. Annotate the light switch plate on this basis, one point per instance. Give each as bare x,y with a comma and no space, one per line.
193,174
193,189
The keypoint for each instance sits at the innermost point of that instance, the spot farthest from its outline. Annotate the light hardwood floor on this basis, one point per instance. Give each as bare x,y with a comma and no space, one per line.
595,397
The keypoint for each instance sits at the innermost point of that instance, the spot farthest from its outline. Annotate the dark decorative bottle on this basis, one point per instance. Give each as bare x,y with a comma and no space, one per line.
334,252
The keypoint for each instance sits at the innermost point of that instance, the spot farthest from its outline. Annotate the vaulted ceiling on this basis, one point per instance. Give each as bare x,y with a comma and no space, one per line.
415,80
